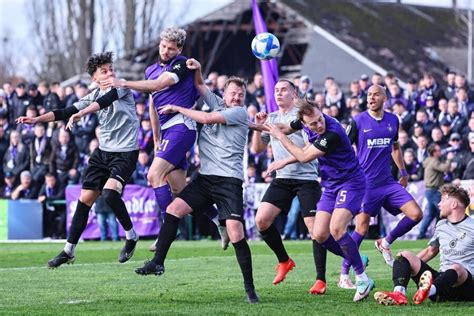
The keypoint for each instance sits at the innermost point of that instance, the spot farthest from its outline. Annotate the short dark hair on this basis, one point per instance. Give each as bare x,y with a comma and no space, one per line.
305,107
457,192
292,85
240,82
97,60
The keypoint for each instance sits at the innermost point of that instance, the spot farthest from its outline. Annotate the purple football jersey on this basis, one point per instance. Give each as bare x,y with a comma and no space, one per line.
182,94
374,146
339,164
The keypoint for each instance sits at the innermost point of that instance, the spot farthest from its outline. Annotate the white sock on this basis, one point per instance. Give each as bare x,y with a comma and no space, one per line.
131,234
385,244
432,290
400,289
362,277
215,220
344,276
69,249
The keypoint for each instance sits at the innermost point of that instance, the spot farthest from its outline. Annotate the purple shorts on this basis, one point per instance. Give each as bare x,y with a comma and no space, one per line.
391,196
176,141
347,195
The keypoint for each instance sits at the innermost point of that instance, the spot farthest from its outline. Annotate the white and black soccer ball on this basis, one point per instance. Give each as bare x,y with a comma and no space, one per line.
265,46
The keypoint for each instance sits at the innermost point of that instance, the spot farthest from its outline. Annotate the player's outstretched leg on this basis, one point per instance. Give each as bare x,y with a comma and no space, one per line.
319,256
114,200
285,264
79,222
167,235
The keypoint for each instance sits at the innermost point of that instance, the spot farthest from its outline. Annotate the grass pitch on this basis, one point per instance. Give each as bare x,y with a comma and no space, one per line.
200,279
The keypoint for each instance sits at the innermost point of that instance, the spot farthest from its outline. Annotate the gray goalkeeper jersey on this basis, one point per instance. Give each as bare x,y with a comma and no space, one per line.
118,122
455,242
300,171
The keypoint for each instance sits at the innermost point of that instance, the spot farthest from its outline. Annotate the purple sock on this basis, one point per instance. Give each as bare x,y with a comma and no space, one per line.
351,252
332,245
346,265
163,198
403,227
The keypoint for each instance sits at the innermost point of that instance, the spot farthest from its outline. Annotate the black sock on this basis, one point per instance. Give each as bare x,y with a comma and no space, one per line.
273,240
445,282
320,255
401,272
244,258
114,200
79,222
166,237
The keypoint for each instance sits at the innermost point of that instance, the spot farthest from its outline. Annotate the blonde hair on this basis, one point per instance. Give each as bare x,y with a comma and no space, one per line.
174,34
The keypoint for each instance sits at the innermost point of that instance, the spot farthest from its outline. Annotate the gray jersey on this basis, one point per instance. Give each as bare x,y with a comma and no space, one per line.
221,146
300,171
456,243
118,122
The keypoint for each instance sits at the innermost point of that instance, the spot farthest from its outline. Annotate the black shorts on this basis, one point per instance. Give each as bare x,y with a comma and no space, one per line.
282,191
207,190
462,293
104,165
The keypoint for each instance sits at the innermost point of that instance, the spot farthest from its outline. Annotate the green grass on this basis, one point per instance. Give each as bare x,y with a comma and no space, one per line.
200,279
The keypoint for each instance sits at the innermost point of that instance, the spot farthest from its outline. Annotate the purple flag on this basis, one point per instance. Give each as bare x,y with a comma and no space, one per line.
269,67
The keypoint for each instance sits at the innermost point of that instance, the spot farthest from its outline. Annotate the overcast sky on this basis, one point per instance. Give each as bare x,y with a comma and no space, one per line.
13,20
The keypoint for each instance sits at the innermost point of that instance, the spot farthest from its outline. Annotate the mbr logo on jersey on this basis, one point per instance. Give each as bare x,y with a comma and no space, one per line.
378,142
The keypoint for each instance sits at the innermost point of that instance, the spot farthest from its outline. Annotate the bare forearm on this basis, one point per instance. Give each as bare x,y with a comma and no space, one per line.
257,144
426,254
198,116
294,150
91,108
397,158
199,82
149,85
155,123
45,118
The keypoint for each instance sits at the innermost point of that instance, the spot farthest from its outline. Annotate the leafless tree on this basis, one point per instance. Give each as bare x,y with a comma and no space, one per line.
67,32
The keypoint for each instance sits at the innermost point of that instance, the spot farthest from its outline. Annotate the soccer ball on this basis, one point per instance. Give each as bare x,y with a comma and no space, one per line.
265,46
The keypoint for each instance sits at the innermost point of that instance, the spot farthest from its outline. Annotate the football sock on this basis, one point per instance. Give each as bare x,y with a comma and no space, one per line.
345,263
403,227
445,281
351,252
79,222
332,245
114,200
70,249
361,277
244,258
163,198
273,240
166,237
319,256
401,271
131,234
400,289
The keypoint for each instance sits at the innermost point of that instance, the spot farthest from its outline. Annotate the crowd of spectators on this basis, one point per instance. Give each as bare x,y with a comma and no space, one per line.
38,162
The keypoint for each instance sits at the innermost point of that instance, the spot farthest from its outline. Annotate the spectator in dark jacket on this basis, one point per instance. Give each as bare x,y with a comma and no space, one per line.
54,219
139,176
24,190
40,155
65,159
51,100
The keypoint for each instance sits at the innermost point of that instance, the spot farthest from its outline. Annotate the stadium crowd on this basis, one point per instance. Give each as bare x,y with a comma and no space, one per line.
38,162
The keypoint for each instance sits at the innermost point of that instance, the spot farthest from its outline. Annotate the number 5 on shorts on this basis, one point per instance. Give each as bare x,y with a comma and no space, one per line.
342,196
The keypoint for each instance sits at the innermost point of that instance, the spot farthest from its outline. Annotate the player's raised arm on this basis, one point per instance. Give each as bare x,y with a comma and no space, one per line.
101,103
193,64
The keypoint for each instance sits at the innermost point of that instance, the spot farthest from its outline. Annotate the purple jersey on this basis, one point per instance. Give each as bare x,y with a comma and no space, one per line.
182,94
374,139
339,163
